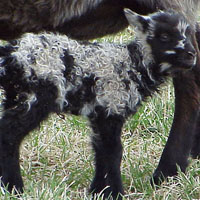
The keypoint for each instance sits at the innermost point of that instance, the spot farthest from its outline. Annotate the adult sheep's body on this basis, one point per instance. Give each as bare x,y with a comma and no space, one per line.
80,19
86,19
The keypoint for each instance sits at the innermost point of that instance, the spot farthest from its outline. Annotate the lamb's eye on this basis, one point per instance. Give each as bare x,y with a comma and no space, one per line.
188,31
164,37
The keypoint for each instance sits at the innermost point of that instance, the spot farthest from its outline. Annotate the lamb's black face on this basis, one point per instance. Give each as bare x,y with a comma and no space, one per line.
170,39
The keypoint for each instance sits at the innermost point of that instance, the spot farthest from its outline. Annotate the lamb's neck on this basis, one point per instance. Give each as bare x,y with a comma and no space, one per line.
148,76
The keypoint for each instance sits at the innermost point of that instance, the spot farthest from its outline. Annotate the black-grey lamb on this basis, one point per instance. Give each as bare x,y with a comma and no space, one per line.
105,82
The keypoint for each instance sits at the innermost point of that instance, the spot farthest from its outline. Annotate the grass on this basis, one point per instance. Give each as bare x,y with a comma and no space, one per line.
57,163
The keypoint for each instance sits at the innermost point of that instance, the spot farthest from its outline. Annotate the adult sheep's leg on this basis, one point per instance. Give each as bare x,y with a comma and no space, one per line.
195,152
15,124
108,153
181,137
179,144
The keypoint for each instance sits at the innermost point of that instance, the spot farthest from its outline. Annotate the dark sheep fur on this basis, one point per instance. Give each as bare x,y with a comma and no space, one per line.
105,82
80,19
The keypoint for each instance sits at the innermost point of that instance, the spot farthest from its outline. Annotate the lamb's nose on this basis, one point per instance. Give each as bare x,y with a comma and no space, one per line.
191,55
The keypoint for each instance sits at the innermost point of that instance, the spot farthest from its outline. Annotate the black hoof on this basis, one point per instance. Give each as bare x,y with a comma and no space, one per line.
157,179
17,189
106,194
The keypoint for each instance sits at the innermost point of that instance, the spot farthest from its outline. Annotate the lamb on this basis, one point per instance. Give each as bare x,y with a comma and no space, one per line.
86,19
105,82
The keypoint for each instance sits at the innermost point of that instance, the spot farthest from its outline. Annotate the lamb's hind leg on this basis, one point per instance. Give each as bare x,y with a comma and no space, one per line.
108,153
10,95
15,124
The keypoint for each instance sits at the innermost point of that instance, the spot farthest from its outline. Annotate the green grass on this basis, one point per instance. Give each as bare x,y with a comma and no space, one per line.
57,160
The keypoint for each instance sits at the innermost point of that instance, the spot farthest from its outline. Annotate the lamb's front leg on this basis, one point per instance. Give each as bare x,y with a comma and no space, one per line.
108,153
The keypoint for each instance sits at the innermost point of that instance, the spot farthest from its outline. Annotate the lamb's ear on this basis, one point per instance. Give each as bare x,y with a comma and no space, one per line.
136,20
